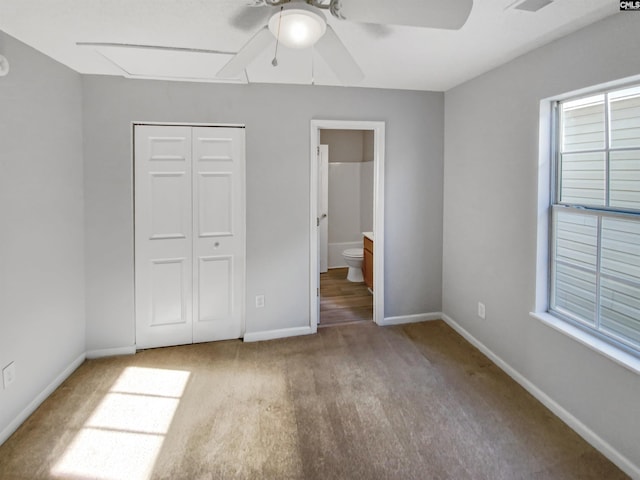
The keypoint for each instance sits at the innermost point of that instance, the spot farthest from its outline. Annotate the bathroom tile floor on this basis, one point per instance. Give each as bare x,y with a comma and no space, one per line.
342,301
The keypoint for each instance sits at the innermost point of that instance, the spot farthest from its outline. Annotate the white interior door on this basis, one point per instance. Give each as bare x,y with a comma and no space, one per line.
323,206
219,233
189,234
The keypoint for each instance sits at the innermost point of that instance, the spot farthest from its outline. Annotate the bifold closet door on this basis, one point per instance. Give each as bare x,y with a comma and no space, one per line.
219,233
189,234
163,238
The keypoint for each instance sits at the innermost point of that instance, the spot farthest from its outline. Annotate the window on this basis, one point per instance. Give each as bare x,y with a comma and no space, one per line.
595,215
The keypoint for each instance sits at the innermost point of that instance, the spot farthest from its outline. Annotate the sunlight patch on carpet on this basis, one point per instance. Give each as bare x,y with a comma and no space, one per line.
124,435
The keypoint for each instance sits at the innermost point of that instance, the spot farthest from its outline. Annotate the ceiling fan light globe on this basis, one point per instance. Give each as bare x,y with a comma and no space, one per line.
297,27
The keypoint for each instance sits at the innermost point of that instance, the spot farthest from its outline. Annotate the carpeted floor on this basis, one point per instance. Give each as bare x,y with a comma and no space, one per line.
352,402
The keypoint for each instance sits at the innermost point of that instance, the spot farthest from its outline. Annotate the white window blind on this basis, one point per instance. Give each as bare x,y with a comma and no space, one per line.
595,228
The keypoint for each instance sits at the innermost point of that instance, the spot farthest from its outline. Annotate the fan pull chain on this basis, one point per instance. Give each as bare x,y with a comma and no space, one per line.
274,62
313,67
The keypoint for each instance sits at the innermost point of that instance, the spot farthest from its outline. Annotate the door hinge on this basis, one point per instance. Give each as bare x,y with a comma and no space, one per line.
317,221
317,292
318,150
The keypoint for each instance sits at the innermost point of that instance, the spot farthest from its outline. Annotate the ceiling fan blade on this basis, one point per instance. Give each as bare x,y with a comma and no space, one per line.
377,30
254,47
248,18
447,14
331,48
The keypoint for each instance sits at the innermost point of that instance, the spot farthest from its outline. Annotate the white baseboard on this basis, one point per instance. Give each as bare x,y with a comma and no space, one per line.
419,317
41,397
273,334
111,352
567,417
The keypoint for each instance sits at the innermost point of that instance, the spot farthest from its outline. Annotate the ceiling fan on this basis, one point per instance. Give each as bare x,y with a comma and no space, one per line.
302,23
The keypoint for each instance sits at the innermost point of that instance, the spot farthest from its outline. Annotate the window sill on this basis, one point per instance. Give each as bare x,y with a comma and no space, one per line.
620,357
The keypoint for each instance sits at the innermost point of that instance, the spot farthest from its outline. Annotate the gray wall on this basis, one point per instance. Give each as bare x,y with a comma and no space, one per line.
277,120
490,212
42,326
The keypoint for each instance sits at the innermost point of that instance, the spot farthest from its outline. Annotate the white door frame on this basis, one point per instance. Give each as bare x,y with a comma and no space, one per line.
378,213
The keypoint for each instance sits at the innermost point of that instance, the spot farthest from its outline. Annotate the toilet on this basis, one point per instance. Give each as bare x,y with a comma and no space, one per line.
354,257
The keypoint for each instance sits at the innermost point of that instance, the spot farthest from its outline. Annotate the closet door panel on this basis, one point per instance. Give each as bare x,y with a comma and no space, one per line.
215,299
215,204
163,226
219,242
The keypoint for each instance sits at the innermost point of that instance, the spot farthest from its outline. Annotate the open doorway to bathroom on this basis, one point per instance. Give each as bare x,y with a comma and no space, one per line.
345,202
347,222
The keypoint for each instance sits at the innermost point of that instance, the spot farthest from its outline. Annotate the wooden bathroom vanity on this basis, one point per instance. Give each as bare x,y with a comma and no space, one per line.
367,264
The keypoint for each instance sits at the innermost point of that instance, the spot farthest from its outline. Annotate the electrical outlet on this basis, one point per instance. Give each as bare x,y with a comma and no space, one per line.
259,301
9,374
481,310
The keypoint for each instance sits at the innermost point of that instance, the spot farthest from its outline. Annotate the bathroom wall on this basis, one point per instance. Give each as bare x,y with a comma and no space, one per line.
350,190
367,145
344,210
366,182
344,145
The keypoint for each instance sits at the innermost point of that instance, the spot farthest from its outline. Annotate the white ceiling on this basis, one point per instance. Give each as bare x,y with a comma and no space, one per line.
390,56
